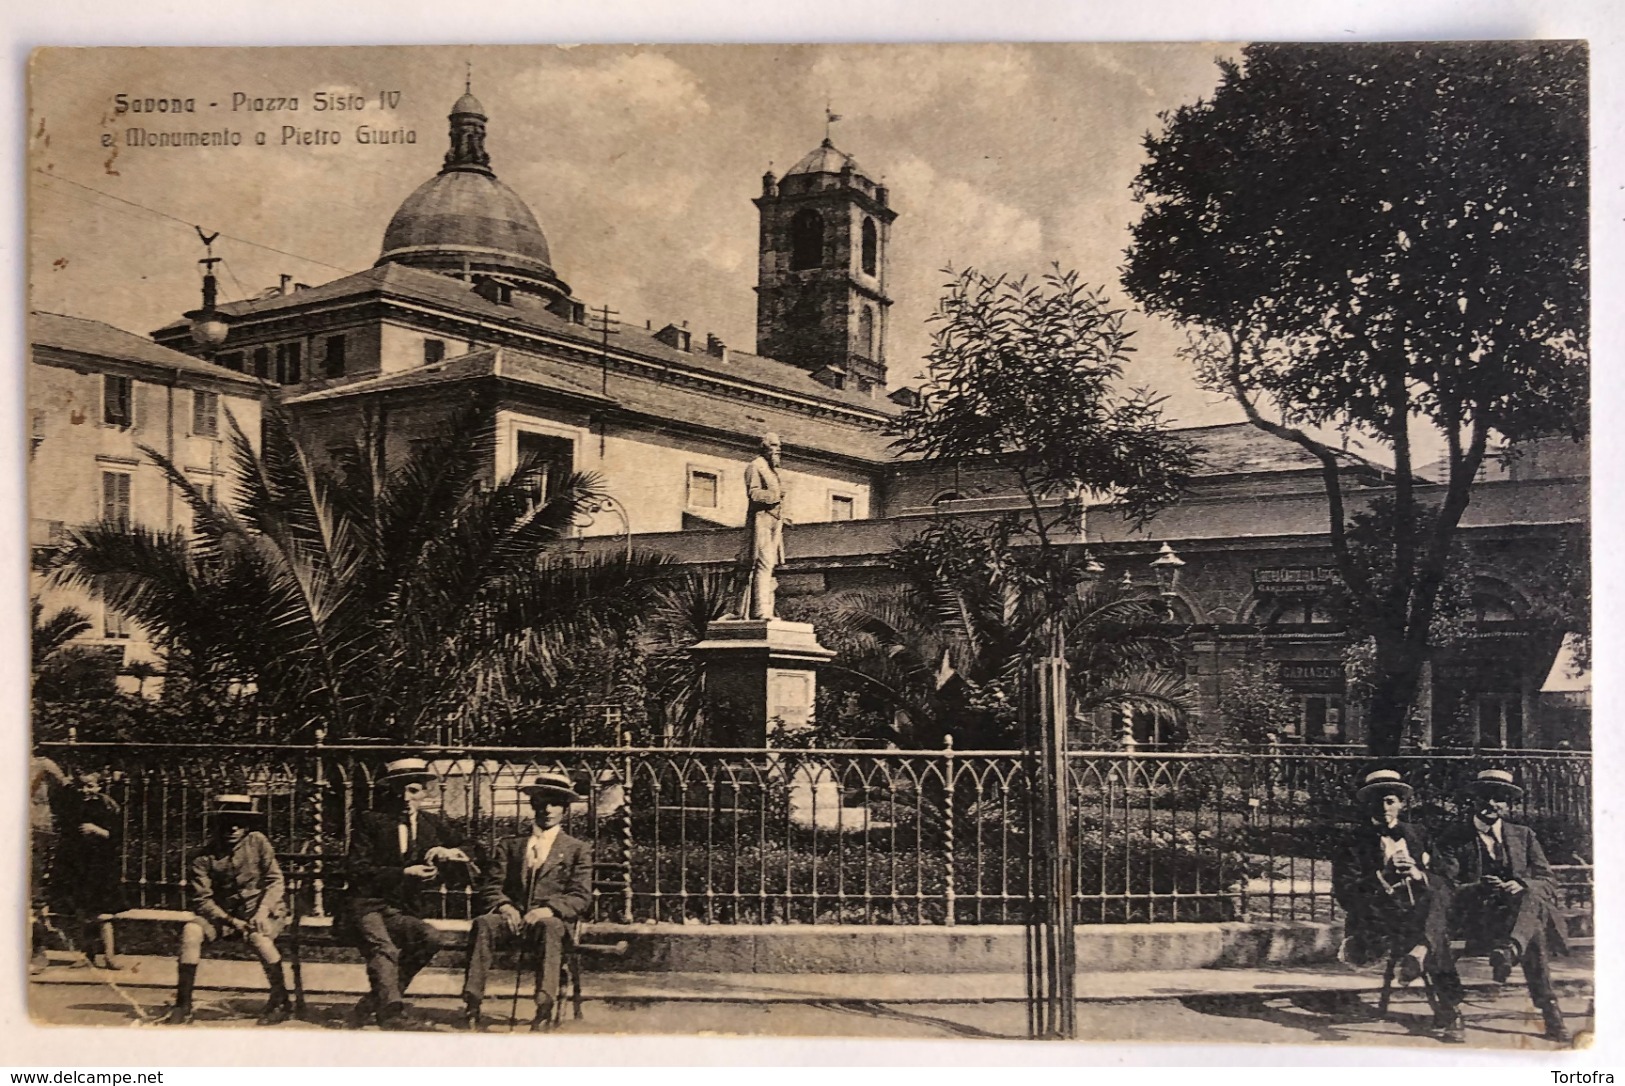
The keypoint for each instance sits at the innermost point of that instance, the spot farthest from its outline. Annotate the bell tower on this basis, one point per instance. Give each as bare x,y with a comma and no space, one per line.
821,301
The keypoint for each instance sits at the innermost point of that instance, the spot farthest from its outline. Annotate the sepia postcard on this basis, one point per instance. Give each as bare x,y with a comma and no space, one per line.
1075,542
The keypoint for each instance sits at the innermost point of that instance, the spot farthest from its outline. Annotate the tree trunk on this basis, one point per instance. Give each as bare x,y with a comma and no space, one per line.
1398,672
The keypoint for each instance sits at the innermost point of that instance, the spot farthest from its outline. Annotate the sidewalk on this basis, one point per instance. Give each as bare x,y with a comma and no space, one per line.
349,980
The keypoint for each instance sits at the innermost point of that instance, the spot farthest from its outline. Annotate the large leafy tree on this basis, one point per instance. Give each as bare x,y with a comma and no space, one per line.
1033,376
363,598
1390,241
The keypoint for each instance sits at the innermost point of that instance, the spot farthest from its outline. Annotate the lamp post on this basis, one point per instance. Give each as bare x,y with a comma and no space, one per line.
1165,567
208,328
608,504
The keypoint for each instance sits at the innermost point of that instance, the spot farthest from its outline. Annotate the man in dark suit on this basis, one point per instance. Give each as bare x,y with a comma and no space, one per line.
1506,899
1394,903
396,855
535,886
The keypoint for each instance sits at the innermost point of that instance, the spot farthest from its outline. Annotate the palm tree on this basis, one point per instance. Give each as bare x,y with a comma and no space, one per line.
364,599
52,634
683,608
946,651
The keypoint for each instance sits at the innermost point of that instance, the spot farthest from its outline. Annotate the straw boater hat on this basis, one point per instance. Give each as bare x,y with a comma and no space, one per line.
552,785
1382,782
235,808
406,771
1495,782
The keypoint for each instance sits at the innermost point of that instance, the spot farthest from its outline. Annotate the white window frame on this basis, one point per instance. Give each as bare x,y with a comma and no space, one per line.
199,397
715,475
510,426
108,380
129,496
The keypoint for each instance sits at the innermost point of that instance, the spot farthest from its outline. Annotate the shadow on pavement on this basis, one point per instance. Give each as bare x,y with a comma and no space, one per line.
893,1013
1328,1016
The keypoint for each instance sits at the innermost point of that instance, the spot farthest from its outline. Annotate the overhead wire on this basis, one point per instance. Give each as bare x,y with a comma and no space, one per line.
188,224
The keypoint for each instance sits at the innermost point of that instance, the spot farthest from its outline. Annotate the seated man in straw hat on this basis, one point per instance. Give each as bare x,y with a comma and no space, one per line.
1394,904
395,856
237,893
536,885
1506,899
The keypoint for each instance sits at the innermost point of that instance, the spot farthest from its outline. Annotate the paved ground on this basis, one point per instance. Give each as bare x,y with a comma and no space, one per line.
1292,1006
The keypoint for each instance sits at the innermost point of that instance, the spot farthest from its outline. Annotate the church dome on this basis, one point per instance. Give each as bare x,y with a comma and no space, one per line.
467,223
825,158
466,213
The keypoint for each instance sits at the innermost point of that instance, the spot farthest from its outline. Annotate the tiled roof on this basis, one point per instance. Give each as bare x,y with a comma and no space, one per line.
1240,448
414,284
88,337
660,401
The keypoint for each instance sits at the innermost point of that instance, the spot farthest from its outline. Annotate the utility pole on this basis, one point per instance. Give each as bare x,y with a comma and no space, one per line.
605,324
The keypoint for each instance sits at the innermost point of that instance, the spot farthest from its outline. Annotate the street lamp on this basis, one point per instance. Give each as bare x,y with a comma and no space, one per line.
1166,567
608,504
208,328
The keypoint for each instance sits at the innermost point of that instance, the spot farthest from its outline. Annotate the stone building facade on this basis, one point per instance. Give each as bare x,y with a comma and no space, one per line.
98,396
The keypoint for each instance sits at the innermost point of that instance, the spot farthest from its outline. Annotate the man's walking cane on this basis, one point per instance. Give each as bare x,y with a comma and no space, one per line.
519,955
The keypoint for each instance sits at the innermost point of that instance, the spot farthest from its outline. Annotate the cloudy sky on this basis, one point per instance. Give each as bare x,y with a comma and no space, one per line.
641,164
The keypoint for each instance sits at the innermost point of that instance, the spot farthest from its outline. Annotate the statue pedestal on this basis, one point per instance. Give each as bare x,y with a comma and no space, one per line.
758,671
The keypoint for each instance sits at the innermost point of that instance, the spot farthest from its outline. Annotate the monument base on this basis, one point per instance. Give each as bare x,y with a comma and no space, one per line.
760,673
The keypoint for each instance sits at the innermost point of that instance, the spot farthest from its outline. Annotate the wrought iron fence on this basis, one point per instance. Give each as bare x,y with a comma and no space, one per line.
835,836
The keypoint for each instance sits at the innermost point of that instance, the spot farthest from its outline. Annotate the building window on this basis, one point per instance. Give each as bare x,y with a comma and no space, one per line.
333,360
118,401
433,351
290,368
551,459
866,332
702,489
1300,613
842,507
232,360
1500,721
1323,718
116,499
205,413
806,240
871,247
262,363
114,624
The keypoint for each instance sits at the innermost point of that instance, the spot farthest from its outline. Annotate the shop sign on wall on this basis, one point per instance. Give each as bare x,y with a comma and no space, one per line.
1313,676
1295,580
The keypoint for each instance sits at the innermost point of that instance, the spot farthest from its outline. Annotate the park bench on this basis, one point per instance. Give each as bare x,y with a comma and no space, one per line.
306,874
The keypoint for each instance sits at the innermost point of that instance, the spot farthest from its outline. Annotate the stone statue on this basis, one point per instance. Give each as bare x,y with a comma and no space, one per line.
764,530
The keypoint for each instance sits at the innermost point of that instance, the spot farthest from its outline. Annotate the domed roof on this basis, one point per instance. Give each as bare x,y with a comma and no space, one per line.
825,158
465,223
466,212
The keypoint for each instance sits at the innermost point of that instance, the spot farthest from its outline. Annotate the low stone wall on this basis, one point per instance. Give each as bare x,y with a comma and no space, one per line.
790,948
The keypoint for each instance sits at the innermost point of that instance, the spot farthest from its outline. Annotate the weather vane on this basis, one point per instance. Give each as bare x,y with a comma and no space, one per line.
830,117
